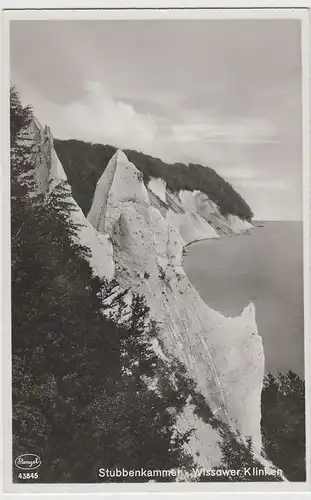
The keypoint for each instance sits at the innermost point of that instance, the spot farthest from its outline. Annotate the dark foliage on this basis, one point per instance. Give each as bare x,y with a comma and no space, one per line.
20,116
283,423
85,162
239,456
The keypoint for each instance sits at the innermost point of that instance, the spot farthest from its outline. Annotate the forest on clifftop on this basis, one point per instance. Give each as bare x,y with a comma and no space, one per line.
84,163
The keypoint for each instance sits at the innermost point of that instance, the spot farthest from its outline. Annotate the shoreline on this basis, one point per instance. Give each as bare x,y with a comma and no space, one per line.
242,233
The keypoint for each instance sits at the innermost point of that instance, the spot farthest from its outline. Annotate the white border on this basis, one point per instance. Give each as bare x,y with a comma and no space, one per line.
155,4
276,9
161,13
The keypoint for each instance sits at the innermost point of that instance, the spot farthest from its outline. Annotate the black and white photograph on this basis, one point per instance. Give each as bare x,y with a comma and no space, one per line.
157,250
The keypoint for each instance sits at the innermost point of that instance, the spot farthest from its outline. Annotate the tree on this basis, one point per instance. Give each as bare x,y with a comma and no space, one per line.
283,423
20,117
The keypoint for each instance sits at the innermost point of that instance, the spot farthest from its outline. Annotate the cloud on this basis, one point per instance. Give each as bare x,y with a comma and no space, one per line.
243,173
277,184
221,129
100,117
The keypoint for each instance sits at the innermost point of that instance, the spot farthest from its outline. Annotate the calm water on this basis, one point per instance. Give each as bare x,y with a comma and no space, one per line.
264,267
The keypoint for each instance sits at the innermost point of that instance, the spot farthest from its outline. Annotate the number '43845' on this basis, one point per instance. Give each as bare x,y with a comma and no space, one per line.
28,475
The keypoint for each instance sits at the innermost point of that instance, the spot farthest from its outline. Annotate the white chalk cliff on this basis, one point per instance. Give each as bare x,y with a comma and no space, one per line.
224,355
137,233
48,173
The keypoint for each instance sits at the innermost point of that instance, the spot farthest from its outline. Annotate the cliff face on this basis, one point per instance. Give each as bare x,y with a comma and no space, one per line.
136,233
148,228
48,173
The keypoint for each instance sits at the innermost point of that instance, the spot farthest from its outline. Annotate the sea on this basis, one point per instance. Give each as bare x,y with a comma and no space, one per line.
265,267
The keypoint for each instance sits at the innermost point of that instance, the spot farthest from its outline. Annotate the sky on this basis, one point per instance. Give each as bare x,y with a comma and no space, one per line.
223,93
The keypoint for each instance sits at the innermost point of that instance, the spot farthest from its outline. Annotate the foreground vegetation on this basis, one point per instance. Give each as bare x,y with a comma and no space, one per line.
283,423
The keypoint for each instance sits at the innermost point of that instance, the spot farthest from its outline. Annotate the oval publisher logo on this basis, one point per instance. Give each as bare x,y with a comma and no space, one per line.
28,461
